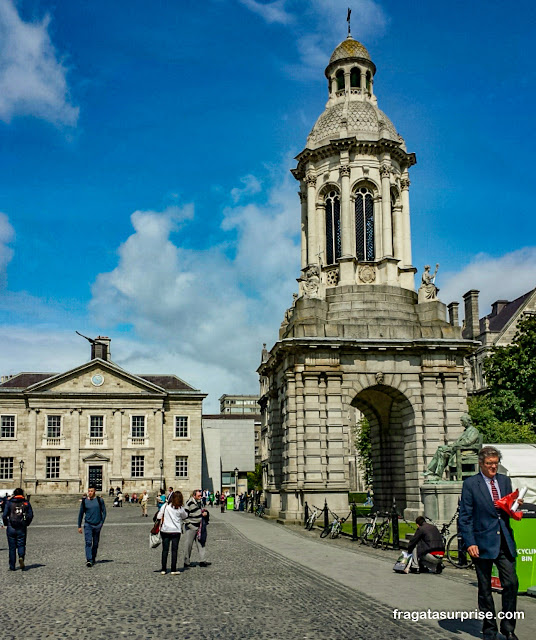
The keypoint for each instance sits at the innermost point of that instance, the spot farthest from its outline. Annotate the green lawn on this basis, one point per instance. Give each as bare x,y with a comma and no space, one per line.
403,528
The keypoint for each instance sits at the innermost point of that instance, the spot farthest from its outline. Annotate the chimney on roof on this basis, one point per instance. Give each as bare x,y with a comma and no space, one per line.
472,321
453,314
498,306
100,348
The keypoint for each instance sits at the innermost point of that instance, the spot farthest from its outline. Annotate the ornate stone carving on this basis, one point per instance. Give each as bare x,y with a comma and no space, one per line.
310,179
332,277
385,171
288,313
379,377
303,196
367,273
311,282
344,171
264,353
404,183
428,290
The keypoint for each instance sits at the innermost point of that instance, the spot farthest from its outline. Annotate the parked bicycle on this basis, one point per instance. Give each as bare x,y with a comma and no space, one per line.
259,511
454,547
335,528
382,534
313,517
366,531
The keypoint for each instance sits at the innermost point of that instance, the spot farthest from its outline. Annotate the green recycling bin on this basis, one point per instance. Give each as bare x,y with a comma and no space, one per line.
525,537
230,503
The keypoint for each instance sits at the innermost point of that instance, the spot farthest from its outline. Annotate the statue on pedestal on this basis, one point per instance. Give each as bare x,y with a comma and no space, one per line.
428,290
446,454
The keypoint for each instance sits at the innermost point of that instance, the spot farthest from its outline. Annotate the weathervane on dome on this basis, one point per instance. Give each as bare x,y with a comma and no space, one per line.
348,21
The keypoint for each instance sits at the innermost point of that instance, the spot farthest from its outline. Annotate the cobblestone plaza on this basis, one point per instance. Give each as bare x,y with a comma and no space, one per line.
265,581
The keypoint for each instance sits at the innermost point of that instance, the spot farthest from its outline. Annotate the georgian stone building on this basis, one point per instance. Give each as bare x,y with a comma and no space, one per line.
99,424
358,339
497,329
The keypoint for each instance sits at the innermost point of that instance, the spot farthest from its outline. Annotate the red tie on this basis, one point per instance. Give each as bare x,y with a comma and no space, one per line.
494,492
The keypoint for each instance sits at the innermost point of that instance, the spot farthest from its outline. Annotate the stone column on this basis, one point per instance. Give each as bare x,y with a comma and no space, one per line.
300,431
312,243
346,260
398,233
378,217
406,226
303,201
363,82
30,462
117,443
158,439
387,228
75,443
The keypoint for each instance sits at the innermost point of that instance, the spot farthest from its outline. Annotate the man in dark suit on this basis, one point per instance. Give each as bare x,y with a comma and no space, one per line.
488,537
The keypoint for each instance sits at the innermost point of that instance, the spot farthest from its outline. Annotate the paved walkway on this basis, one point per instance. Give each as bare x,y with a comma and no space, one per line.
266,582
353,566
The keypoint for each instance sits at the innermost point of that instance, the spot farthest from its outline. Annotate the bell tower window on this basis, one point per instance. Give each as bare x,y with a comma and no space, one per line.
340,80
355,77
333,227
364,224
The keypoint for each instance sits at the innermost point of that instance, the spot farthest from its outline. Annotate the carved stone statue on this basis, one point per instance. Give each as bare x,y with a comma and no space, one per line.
428,290
264,353
289,311
311,282
445,454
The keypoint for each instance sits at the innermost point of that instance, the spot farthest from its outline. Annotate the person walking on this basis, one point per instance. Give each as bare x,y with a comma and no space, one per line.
192,524
144,503
93,512
172,515
488,537
17,516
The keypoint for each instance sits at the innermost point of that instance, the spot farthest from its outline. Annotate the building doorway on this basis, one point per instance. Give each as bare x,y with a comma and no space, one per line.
95,476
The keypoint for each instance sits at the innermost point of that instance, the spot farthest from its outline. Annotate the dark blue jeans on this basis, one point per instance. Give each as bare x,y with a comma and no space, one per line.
92,536
16,540
168,538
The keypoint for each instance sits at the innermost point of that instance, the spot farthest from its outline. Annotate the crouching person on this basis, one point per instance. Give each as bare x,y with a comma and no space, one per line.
427,548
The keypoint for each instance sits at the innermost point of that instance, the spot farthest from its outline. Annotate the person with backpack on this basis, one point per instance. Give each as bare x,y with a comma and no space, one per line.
93,512
17,516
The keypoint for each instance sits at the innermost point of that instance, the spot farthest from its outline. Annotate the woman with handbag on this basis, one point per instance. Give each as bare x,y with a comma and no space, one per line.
171,517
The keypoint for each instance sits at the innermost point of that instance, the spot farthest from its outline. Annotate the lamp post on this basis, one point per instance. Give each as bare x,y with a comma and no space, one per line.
161,465
236,482
21,467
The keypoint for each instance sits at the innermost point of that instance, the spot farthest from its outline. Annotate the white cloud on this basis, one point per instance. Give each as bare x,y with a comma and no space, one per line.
497,278
201,313
274,11
7,235
251,187
319,25
32,79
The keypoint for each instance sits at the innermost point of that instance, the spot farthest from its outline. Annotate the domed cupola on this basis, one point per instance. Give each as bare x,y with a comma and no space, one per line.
351,109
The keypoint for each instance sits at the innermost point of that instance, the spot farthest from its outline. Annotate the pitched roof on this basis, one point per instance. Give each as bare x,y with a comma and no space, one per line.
500,320
169,382
23,380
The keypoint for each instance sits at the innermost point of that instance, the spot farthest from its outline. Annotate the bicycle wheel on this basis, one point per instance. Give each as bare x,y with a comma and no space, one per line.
364,532
325,532
457,559
310,523
335,531
381,533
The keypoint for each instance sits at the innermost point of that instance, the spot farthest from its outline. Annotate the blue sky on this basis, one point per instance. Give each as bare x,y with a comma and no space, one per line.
145,150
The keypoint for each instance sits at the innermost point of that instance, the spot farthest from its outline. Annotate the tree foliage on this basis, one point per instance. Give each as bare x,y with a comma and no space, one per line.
493,430
255,478
364,447
511,376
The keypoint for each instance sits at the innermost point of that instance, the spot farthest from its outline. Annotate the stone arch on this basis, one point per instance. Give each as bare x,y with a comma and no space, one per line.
365,182
392,420
324,190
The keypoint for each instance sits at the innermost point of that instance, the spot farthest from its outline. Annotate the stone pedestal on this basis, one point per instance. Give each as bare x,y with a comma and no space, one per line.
440,499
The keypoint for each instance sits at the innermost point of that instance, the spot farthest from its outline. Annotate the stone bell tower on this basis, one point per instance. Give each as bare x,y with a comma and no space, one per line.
357,340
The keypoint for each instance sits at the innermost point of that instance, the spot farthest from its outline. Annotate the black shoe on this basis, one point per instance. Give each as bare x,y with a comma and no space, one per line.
21,563
439,568
89,563
12,568
510,636
186,566
204,564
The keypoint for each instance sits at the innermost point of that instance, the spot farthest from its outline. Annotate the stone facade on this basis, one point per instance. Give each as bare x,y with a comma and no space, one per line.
357,339
497,329
99,423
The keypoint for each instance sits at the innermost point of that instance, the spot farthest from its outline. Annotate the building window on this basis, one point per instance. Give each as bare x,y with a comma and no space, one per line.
96,426
181,426
181,466
364,224
53,467
355,77
138,466
333,227
340,79
6,468
7,427
138,427
53,426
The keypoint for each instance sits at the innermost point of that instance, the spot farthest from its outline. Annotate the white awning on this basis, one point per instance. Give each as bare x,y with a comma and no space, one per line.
519,462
